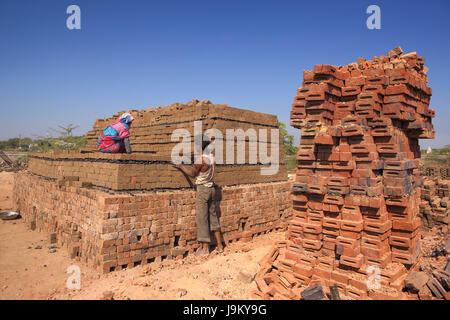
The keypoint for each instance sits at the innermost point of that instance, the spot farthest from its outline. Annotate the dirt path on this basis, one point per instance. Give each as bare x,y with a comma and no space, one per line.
6,185
28,267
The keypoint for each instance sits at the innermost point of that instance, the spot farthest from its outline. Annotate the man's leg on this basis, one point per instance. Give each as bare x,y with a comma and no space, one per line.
201,208
214,220
219,241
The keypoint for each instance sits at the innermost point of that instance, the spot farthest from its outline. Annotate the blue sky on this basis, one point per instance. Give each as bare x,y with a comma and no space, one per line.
249,54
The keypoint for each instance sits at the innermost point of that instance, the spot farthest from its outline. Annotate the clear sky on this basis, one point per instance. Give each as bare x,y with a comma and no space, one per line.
249,54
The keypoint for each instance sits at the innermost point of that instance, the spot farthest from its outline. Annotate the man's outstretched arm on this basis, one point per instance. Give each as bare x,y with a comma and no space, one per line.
191,172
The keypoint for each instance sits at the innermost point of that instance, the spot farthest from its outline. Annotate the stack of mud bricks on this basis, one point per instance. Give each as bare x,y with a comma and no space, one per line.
115,211
434,208
115,231
152,128
149,166
356,194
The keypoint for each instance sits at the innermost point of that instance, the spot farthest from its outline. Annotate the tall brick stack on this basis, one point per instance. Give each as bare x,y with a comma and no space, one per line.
357,187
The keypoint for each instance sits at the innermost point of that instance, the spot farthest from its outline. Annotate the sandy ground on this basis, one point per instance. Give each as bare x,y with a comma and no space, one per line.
220,276
27,269
32,268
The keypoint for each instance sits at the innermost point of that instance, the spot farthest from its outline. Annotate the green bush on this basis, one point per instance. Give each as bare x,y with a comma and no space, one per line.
288,140
44,144
291,161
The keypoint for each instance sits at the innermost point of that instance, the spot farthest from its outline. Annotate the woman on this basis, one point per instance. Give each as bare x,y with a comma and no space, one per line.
115,138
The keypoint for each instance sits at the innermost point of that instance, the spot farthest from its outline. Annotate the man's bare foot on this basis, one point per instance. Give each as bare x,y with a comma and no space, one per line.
201,252
219,249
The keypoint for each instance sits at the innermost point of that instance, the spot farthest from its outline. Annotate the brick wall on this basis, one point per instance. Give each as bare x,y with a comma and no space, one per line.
136,171
116,230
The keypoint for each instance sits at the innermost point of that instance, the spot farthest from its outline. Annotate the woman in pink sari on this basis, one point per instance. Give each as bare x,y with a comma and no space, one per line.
116,137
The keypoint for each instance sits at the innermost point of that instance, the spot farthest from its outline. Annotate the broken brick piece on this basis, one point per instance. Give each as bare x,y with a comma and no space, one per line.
314,292
415,281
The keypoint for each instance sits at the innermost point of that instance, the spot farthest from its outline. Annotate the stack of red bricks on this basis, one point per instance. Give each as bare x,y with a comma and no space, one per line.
434,208
357,186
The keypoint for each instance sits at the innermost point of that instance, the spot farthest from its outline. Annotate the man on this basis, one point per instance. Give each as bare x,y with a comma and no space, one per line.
116,137
206,215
